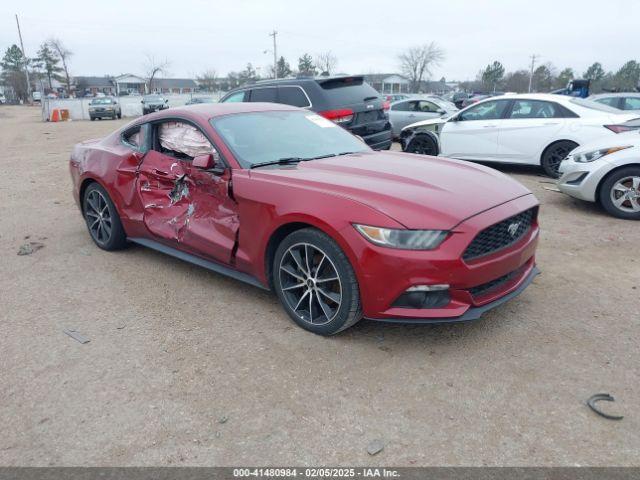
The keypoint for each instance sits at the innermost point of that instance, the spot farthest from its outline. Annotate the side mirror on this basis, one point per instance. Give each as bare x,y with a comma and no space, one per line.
141,101
166,100
454,118
209,162
441,111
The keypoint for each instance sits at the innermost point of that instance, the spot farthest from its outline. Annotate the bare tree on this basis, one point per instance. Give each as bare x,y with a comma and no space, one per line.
416,62
152,67
326,62
64,54
208,80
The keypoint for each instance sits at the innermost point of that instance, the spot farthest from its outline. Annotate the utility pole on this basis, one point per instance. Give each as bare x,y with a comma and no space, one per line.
275,54
533,62
26,67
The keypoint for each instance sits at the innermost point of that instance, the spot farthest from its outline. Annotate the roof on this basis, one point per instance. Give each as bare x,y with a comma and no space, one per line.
94,81
206,111
614,94
174,83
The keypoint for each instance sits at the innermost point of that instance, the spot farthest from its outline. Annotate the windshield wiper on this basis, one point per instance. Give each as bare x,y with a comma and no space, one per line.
293,160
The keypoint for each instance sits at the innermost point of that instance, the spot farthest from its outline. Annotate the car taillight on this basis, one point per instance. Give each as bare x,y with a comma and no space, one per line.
386,105
620,128
342,115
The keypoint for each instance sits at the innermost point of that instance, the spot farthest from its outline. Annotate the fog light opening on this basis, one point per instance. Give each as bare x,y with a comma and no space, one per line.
424,296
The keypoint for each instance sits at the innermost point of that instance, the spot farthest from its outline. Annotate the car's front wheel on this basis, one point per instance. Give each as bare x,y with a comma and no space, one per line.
620,193
423,145
102,219
315,282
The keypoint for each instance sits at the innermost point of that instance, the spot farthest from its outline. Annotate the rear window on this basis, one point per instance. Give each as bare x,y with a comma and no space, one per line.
348,91
593,105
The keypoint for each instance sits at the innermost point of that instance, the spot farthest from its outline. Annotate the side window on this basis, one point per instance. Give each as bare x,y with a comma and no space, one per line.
491,110
534,109
134,137
427,107
293,96
631,103
236,97
401,107
266,94
181,140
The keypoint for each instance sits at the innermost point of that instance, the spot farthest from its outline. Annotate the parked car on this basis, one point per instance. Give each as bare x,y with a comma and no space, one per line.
37,97
153,102
394,97
531,129
197,100
627,101
347,101
606,171
3,99
104,107
458,97
406,112
338,230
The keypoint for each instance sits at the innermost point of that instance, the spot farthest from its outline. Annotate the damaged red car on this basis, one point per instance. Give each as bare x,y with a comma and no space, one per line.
284,199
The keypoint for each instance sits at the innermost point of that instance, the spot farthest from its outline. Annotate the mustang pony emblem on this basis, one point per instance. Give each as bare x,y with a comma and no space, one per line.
513,228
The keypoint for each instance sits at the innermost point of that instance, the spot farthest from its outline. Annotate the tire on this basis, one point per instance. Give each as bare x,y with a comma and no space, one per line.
119,115
422,144
620,193
332,289
93,119
103,221
553,156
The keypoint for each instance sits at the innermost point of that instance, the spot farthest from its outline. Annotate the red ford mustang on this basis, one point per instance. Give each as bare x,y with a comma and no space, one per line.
284,199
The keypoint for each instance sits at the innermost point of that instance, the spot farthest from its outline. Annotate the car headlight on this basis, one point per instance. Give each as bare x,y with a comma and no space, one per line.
596,154
404,239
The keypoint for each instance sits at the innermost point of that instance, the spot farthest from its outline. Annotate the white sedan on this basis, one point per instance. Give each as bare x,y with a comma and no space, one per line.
606,171
531,129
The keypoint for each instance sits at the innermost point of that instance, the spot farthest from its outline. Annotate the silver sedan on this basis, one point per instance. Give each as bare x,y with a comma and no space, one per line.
406,112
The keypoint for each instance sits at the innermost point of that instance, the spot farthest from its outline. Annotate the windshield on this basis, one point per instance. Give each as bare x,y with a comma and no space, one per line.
260,137
101,101
153,98
593,105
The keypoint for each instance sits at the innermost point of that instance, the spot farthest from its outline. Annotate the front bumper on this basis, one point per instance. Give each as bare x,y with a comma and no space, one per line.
385,274
474,313
581,180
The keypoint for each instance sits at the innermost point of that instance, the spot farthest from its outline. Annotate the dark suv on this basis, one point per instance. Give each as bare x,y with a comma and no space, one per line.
348,101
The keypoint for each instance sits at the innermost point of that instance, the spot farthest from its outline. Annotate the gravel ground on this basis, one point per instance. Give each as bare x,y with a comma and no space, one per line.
186,367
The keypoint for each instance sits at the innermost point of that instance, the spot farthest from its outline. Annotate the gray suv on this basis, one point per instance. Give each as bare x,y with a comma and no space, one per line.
348,101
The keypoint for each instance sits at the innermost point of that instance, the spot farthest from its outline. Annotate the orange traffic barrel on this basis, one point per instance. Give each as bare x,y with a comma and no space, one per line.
59,115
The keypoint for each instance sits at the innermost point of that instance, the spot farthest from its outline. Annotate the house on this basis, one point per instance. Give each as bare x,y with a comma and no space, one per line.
173,85
388,82
127,84
93,85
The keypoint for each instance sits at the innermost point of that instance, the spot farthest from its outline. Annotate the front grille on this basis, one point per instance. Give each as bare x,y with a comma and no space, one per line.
493,284
500,235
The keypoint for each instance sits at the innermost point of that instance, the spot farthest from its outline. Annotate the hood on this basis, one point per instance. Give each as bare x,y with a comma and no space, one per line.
419,192
431,121
621,139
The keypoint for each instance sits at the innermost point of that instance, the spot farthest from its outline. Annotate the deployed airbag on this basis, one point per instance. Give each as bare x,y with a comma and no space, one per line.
184,138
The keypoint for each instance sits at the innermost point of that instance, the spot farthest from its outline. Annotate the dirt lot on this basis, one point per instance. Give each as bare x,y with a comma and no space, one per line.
186,367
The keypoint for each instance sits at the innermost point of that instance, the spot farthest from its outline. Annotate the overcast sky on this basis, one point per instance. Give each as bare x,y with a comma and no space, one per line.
113,37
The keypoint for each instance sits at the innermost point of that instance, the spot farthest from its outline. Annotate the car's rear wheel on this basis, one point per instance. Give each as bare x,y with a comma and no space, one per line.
422,145
102,219
553,156
620,193
315,282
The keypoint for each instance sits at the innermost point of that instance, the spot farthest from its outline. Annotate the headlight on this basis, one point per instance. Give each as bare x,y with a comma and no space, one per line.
405,239
596,154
